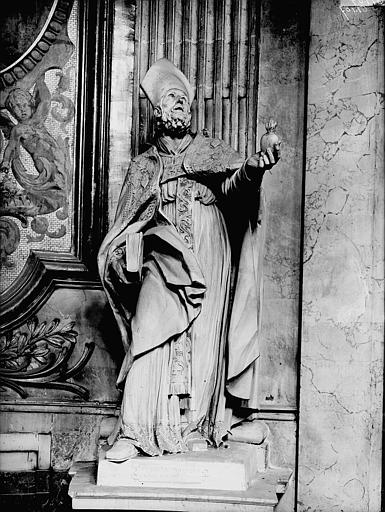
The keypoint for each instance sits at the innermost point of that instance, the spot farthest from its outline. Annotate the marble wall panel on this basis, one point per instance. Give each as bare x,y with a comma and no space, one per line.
282,453
343,331
282,57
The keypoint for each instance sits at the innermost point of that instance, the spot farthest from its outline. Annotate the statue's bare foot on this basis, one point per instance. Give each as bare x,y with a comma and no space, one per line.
122,450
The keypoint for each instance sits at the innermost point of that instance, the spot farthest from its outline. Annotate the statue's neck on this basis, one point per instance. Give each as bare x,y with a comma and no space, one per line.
173,144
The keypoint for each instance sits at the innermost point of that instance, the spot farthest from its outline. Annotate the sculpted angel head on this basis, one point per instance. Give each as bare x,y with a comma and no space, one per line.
20,104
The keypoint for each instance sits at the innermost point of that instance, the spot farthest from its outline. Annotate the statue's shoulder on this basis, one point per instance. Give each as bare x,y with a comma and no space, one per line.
211,143
146,159
139,186
142,171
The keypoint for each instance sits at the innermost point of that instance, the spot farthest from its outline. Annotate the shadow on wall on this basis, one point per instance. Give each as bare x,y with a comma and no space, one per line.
101,316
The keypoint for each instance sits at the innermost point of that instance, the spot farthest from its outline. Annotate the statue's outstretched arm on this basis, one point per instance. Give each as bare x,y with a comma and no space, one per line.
42,99
251,172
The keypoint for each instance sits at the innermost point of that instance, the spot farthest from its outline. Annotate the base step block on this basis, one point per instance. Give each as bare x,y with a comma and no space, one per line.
227,469
262,495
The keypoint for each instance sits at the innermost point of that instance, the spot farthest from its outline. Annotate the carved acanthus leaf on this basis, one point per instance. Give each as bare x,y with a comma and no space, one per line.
38,357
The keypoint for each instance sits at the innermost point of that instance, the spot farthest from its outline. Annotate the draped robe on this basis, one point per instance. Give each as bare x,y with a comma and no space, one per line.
186,347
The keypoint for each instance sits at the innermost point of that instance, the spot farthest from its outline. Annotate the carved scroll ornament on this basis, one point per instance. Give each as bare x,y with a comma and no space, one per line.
39,355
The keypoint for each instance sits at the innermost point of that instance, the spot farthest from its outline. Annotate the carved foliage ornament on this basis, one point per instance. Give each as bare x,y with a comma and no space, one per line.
39,355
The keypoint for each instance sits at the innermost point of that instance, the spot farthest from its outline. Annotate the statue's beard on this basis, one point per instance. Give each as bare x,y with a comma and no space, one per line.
173,123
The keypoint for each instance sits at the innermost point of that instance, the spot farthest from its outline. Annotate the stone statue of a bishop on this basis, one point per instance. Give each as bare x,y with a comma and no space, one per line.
182,269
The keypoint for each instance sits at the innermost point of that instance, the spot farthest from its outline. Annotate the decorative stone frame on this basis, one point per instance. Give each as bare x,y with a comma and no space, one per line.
54,25
45,271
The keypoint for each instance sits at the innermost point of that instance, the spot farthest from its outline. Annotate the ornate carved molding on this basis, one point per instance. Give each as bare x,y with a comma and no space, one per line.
54,25
42,274
62,407
277,413
38,357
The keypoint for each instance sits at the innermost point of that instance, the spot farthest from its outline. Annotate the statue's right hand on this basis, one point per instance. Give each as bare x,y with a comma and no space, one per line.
118,263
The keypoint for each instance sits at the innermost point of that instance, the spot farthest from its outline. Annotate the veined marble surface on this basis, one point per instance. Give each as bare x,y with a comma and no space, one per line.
343,295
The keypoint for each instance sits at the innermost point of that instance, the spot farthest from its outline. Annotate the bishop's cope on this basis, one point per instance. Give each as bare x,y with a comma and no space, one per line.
190,319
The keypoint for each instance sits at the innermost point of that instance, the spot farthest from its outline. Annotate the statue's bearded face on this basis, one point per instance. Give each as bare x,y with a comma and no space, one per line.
173,115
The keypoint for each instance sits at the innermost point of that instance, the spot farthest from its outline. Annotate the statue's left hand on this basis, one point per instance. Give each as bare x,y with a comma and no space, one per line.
263,160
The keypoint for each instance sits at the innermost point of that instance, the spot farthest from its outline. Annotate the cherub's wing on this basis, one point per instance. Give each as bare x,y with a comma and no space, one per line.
6,124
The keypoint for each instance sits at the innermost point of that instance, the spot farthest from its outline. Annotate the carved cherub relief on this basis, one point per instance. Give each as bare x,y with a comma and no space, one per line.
45,189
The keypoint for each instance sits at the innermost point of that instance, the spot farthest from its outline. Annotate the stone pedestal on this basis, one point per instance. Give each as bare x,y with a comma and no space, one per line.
239,477
232,468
